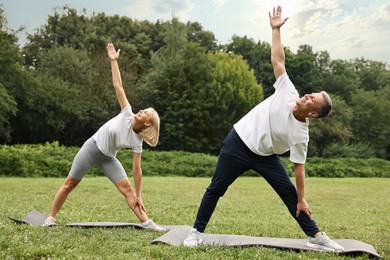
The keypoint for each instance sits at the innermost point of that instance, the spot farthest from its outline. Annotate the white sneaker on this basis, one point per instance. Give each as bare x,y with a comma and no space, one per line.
149,224
193,238
323,242
49,221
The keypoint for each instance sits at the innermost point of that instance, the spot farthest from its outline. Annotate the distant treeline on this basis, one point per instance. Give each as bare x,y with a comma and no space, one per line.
58,86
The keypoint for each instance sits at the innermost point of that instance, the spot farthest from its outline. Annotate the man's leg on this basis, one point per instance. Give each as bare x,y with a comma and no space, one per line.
273,171
231,164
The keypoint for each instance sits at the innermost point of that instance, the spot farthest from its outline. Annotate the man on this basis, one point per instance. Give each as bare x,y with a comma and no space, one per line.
275,126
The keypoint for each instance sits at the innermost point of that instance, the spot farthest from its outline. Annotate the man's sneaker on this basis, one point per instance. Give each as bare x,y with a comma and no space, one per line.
49,222
193,238
323,242
149,224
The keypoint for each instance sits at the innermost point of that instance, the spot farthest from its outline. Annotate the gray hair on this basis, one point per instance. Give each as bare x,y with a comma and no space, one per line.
326,109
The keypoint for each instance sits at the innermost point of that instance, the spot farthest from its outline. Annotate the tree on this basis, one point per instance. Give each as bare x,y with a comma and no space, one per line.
340,80
332,129
7,108
58,101
10,77
302,70
373,74
371,120
232,92
72,103
179,70
258,57
197,95
195,33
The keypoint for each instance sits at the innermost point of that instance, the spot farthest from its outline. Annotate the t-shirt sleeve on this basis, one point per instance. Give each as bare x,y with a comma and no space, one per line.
138,147
298,153
127,111
282,80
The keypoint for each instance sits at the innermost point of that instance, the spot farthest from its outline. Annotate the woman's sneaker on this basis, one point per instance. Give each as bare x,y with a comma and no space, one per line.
149,224
49,222
323,242
193,238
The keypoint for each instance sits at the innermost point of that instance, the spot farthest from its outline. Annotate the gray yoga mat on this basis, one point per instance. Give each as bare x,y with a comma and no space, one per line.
177,235
104,225
36,218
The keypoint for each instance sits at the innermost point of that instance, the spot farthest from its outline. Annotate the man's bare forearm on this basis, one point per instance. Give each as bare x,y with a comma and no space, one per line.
300,180
277,51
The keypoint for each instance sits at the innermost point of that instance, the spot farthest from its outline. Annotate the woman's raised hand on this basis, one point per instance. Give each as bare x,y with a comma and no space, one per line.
112,54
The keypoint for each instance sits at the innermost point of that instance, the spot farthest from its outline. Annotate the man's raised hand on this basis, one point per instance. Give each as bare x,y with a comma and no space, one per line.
275,19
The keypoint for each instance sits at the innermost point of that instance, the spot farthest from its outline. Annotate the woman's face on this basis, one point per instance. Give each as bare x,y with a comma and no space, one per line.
144,116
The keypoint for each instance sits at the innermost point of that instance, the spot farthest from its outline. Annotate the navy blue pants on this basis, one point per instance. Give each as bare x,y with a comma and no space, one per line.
235,158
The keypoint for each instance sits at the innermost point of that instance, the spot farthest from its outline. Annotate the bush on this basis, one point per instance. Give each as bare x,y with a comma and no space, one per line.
173,163
352,150
347,167
37,160
54,160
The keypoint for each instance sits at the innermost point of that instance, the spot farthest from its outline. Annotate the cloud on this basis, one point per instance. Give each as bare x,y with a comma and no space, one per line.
314,18
160,9
382,18
343,29
219,3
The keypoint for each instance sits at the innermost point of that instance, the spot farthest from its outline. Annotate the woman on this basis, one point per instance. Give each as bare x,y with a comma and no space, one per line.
126,130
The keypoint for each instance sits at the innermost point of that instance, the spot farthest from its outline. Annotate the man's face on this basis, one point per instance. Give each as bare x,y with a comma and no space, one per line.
310,102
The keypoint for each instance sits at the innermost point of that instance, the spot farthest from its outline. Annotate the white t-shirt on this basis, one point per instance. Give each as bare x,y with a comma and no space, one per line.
117,134
271,128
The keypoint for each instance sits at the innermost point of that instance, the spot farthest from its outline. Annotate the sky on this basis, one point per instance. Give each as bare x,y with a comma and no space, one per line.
346,29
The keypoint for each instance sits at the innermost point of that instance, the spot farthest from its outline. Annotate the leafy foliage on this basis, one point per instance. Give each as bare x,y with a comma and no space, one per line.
54,160
7,108
179,72
350,150
10,70
58,87
371,119
332,129
231,94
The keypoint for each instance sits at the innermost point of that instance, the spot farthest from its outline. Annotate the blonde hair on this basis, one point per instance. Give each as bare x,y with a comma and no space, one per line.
152,132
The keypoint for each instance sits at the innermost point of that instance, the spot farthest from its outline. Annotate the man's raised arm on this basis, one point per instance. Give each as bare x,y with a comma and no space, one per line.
277,51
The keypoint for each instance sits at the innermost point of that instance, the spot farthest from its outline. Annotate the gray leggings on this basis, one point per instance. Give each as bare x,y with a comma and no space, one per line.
90,155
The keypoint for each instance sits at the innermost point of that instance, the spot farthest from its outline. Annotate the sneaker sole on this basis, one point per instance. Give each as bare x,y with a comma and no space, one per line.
324,248
191,245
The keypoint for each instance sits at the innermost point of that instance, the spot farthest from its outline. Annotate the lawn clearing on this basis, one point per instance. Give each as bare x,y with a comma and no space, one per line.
354,208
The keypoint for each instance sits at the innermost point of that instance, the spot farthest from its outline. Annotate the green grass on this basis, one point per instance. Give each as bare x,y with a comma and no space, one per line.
354,208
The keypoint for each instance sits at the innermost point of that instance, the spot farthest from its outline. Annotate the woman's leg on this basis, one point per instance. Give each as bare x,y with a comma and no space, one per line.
83,161
61,195
124,187
114,170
